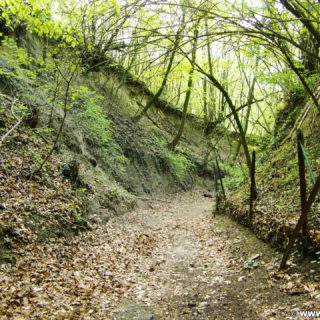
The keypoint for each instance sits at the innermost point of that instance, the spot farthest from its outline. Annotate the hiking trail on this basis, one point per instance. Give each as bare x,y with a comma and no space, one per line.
169,259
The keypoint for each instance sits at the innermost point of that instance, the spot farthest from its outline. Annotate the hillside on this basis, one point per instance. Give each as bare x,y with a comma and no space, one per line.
277,208
103,162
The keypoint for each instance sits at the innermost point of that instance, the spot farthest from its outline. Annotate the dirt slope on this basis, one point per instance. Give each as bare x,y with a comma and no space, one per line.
168,260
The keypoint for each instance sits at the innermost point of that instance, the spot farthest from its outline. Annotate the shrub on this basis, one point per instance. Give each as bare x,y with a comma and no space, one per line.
16,67
91,117
178,164
92,120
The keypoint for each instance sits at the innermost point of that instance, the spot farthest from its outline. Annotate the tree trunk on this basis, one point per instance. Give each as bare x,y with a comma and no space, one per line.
176,139
167,72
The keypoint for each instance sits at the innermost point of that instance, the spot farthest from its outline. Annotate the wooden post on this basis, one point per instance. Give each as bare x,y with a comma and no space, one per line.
216,186
303,188
304,213
253,191
220,179
303,220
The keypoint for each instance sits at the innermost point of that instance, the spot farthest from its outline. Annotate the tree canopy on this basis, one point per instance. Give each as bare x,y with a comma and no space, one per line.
230,62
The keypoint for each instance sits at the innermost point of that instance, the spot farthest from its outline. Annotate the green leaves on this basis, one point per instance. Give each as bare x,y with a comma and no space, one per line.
16,67
91,116
179,165
36,16
91,119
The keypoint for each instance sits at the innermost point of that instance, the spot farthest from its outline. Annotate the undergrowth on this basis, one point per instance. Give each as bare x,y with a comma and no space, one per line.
91,118
179,164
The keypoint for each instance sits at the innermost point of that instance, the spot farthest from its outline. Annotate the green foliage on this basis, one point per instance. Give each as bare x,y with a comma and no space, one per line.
7,257
259,143
179,164
235,174
288,80
79,218
33,154
312,79
157,141
15,66
21,74
35,15
92,120
91,117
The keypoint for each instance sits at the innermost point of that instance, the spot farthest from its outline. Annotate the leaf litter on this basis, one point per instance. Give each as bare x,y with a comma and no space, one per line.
171,257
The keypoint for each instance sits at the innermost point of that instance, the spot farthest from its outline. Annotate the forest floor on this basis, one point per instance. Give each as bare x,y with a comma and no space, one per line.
170,259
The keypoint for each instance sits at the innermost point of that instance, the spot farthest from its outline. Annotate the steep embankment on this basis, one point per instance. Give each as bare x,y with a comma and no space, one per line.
129,158
102,162
278,205
35,208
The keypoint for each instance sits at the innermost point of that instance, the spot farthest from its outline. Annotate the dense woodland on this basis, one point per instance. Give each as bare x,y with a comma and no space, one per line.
107,107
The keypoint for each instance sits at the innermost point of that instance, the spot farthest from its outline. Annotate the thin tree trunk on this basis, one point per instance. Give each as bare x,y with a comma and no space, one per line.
233,109
65,109
177,138
301,222
167,72
249,104
205,105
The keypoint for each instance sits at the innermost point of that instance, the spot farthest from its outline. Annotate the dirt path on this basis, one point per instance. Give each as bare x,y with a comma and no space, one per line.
168,260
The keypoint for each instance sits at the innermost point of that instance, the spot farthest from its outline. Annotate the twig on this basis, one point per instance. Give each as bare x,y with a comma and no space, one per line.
150,199
15,126
65,109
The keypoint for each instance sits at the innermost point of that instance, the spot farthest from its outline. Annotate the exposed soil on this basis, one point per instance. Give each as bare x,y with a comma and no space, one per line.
171,259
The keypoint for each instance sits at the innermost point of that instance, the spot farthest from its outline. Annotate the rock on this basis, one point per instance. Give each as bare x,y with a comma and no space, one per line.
289,286
2,207
207,194
191,304
71,170
254,257
203,304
